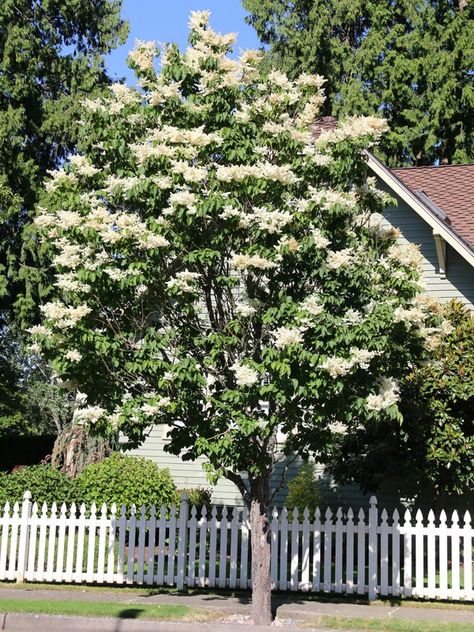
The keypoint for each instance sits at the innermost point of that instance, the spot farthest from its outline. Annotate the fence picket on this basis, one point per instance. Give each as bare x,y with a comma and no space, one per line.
338,565
234,538
327,550
305,551
467,556
150,560
171,546
295,526
103,522
141,546
419,555
443,555
283,549
431,554
111,545
71,537
160,571
384,529
455,574
5,522
317,550
244,549
213,548
192,547
30,569
51,543
122,530
80,543
184,548
202,547
396,553
361,552
91,533
407,554
58,575
223,549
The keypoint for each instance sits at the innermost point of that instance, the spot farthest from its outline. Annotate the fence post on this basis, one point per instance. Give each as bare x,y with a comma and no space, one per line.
24,539
182,533
373,552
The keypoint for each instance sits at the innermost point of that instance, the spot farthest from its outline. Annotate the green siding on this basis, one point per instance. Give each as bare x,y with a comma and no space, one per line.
459,281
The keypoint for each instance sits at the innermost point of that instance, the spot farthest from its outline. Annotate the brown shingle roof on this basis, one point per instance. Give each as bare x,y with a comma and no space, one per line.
451,188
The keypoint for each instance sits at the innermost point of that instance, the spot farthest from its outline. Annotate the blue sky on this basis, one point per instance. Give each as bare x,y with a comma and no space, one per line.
166,21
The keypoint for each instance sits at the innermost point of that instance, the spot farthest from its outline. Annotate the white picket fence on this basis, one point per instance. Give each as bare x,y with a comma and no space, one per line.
367,554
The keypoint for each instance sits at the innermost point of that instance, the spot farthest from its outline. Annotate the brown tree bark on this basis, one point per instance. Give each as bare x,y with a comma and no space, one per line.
261,612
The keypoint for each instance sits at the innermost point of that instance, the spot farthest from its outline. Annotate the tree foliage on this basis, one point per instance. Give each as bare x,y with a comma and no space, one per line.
435,441
221,271
51,56
409,60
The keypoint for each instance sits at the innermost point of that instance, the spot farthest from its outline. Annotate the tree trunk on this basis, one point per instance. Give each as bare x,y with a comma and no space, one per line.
260,529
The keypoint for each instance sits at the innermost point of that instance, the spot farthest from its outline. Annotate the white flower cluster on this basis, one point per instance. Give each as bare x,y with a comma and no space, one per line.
245,309
319,240
354,127
244,375
389,394
312,305
88,415
143,54
152,408
64,317
263,170
407,254
69,283
195,136
286,336
243,262
337,366
327,198
184,281
82,166
73,355
340,258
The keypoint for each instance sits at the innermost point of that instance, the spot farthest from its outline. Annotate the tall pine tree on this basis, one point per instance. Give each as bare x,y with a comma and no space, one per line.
410,60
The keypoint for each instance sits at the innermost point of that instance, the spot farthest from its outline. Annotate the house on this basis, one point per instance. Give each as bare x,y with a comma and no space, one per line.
435,210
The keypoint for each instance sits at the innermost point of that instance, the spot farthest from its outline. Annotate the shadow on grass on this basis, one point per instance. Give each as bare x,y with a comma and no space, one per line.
130,613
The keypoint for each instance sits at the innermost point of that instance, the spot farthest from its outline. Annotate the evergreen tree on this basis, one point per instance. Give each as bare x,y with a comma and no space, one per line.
51,57
411,61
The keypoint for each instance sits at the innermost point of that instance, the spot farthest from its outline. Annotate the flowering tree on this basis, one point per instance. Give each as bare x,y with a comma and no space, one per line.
222,271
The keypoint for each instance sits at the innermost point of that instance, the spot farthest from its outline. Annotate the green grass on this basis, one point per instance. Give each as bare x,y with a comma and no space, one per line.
389,625
166,612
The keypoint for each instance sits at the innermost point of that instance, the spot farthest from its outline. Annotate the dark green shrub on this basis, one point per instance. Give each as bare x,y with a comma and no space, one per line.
126,480
45,483
304,491
198,496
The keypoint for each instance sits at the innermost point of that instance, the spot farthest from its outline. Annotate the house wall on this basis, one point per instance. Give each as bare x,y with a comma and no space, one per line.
458,284
459,281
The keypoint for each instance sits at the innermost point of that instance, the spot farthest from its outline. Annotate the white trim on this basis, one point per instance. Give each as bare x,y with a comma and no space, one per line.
440,244
438,226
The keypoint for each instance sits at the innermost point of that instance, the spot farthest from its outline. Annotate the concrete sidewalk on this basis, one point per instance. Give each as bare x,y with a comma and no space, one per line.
289,607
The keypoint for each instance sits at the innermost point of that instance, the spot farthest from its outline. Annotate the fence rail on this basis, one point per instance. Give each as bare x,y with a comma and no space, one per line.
371,553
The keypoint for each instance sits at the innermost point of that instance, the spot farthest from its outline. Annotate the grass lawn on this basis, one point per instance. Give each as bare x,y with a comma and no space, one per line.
167,612
384,625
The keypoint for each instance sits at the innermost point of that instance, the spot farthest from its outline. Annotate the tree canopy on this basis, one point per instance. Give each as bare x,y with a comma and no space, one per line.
411,61
222,271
